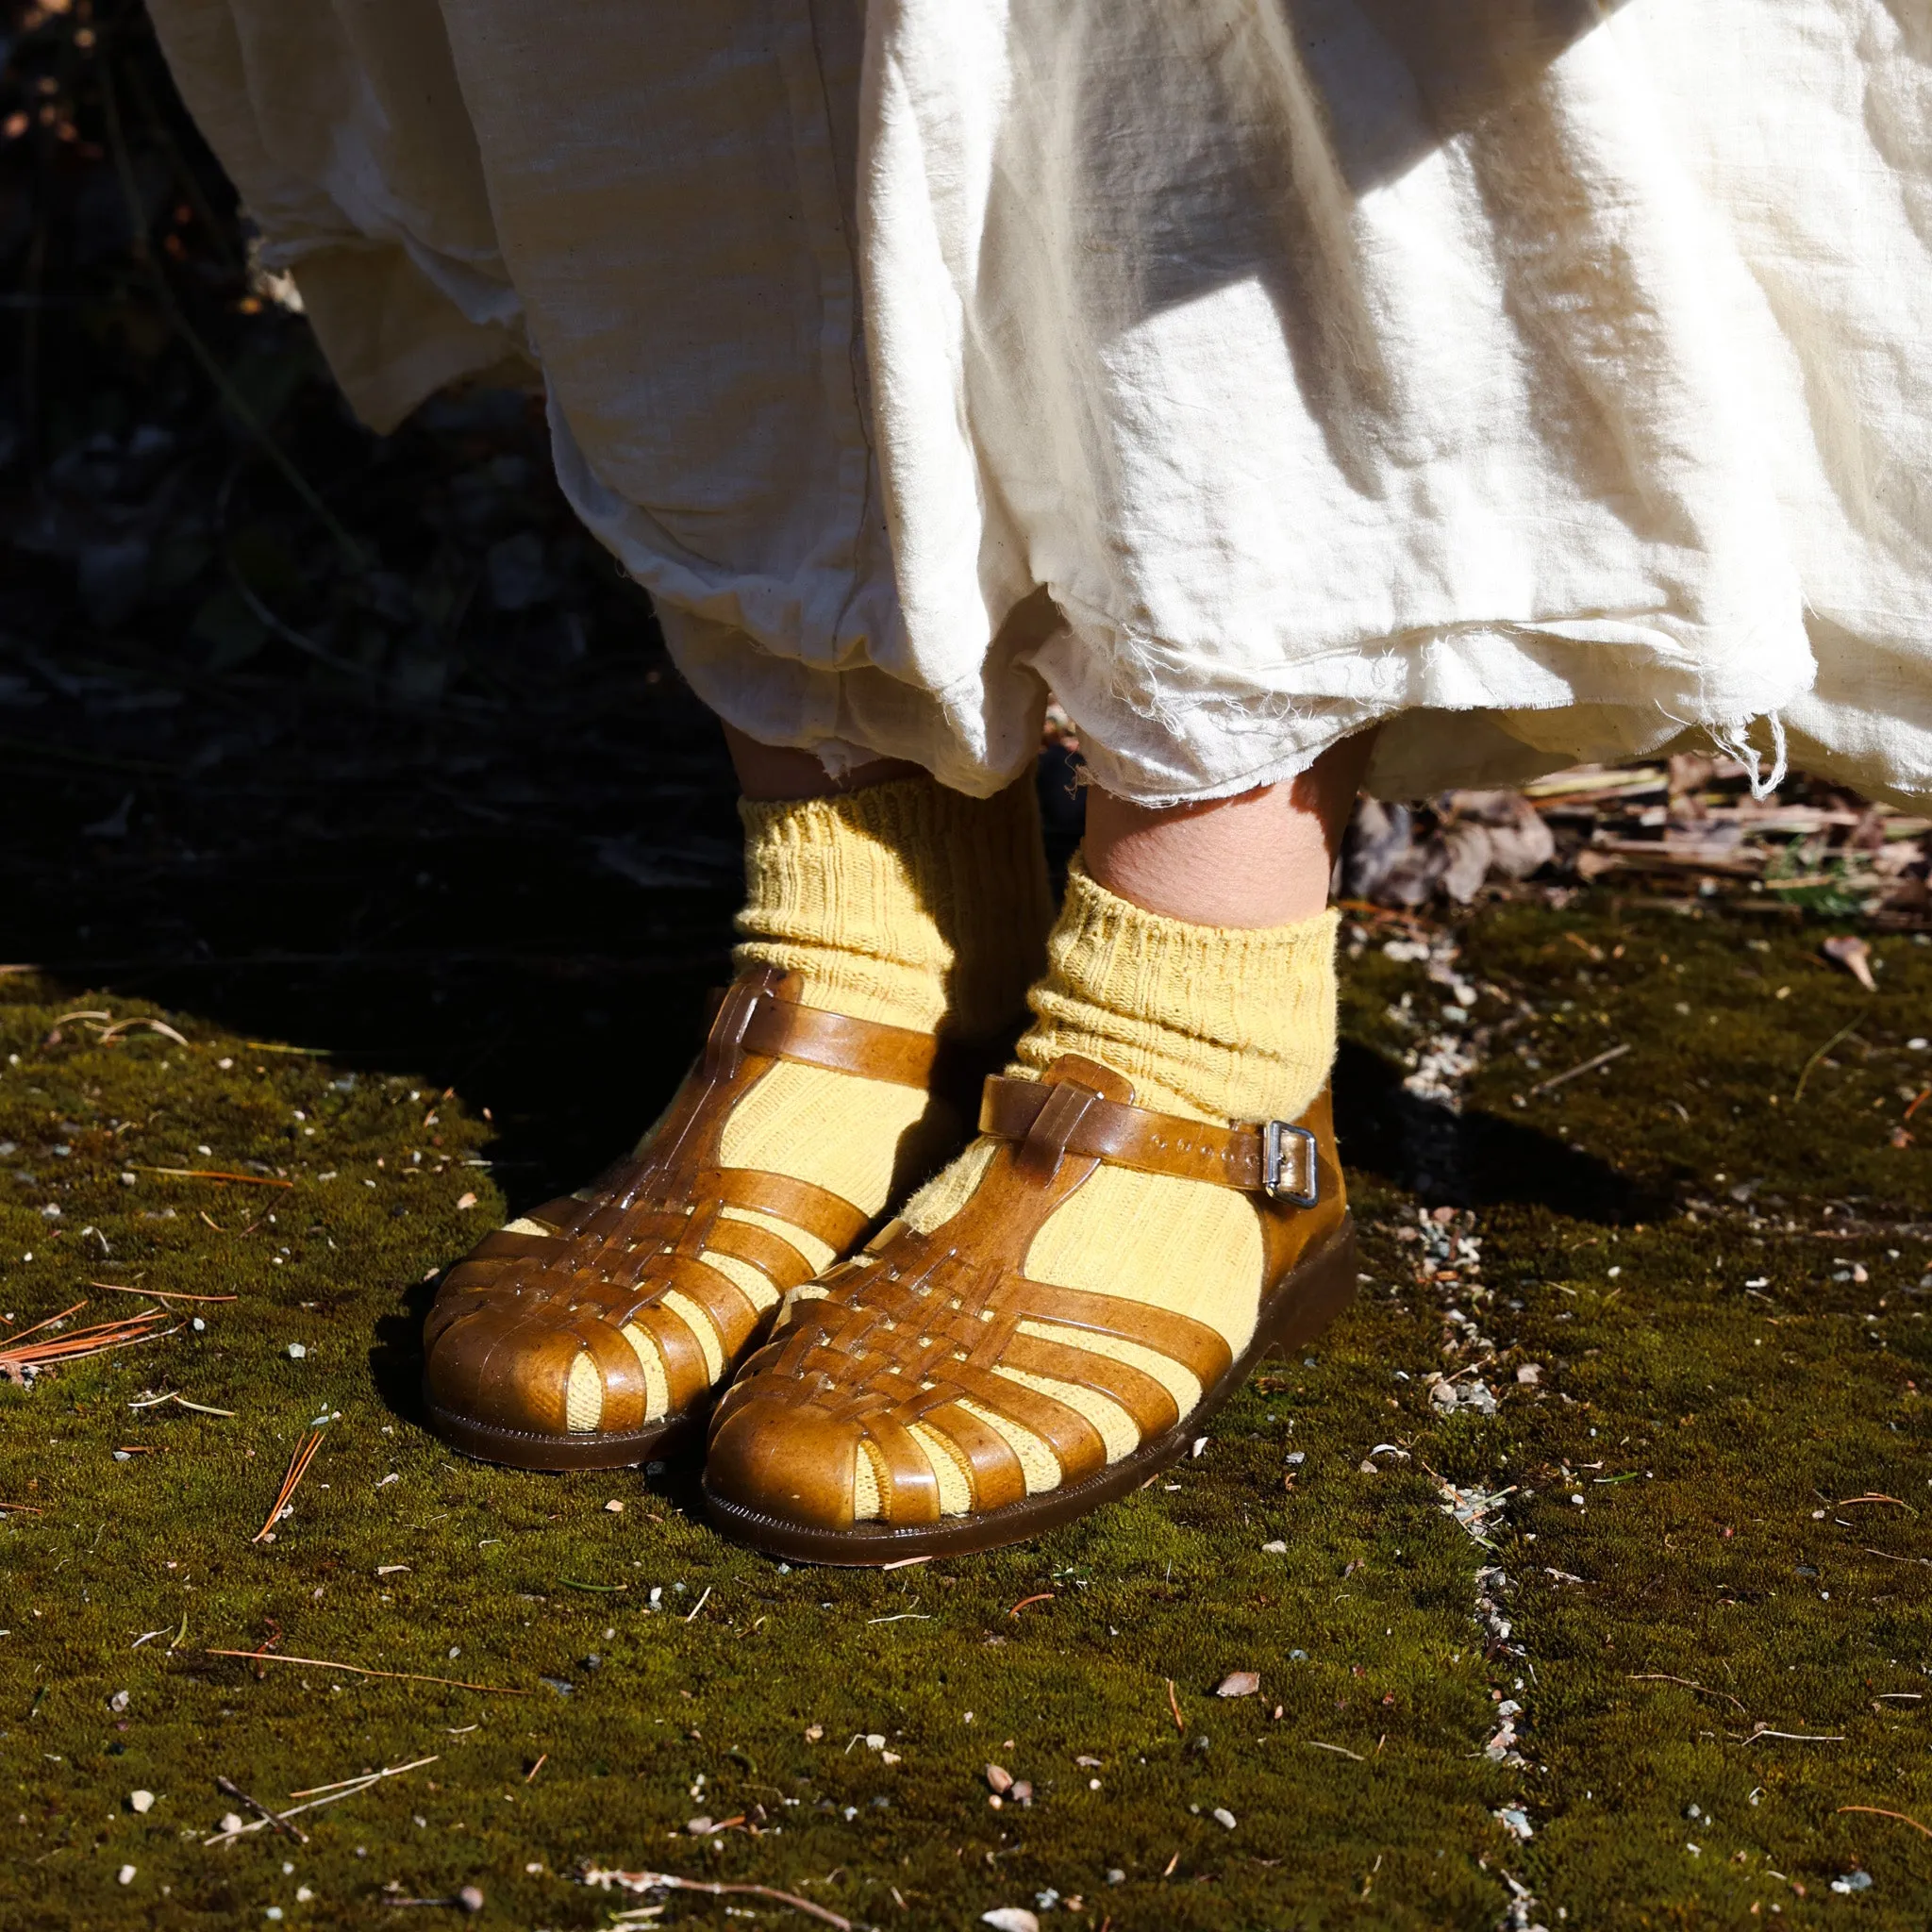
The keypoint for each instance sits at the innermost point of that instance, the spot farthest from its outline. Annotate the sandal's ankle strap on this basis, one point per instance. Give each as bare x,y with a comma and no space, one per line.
1277,1159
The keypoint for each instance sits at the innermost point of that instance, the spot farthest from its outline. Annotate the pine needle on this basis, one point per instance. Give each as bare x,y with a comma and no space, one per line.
298,1467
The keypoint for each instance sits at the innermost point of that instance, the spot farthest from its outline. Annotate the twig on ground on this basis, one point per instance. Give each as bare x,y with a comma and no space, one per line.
180,1401
1842,1033
323,1663
1602,1059
1852,1502
1879,1811
215,1173
230,1789
1340,1750
18,1363
161,1026
1174,1704
364,1777
1665,1677
47,1322
298,1467
1794,1737
161,1294
348,1788
1045,1596
700,1604
668,1881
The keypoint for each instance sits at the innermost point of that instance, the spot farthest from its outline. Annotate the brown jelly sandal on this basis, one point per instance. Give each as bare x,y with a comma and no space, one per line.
913,1332
560,1292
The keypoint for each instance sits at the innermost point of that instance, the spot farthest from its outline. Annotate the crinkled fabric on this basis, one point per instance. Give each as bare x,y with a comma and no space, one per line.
1540,379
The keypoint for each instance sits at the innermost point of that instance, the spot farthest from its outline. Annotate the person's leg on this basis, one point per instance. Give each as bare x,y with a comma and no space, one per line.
1261,858
769,771
890,930
1155,1200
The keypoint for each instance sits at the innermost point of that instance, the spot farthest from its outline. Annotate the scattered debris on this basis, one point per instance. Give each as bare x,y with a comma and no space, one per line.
233,1825
298,1467
321,1663
1691,826
1237,1684
1849,951
22,1360
229,1789
603,1880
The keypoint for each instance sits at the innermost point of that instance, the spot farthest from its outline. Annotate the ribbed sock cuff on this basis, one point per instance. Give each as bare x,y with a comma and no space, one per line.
1225,1023
903,902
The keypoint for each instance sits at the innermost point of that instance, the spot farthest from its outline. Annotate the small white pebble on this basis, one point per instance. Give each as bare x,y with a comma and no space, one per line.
125,1875
874,1740
225,1063
1224,1816
615,1507
1277,1548
303,1894
231,1820
128,1180
465,1202
199,1327
296,1352
141,1801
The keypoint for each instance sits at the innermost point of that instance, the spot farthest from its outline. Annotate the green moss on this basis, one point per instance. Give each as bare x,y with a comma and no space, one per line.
514,1580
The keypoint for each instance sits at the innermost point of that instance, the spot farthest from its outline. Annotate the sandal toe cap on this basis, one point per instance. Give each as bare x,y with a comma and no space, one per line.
787,1461
502,1368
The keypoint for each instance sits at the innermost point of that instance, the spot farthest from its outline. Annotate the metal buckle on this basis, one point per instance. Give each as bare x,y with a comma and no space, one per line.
1276,1181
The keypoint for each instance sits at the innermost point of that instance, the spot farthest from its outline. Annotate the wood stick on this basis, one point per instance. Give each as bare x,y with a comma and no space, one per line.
322,1663
254,1805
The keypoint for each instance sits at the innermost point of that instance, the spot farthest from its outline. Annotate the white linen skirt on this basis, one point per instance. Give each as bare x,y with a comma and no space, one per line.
1540,379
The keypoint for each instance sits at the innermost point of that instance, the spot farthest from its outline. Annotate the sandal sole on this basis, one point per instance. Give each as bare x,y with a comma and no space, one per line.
1311,1297
531,1449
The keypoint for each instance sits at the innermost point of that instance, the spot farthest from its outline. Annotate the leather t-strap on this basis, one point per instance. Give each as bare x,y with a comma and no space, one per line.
785,1030
1276,1158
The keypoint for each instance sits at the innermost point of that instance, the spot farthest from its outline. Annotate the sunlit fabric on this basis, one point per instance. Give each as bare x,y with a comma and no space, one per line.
1546,378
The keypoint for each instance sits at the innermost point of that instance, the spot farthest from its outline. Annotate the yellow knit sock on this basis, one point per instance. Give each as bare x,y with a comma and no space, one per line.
903,902
1218,1024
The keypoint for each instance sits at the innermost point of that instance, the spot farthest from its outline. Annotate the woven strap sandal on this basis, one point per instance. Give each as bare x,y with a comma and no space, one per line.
925,1353
589,1332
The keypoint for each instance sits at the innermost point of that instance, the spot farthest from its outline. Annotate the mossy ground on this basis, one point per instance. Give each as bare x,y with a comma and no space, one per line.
1715,1384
